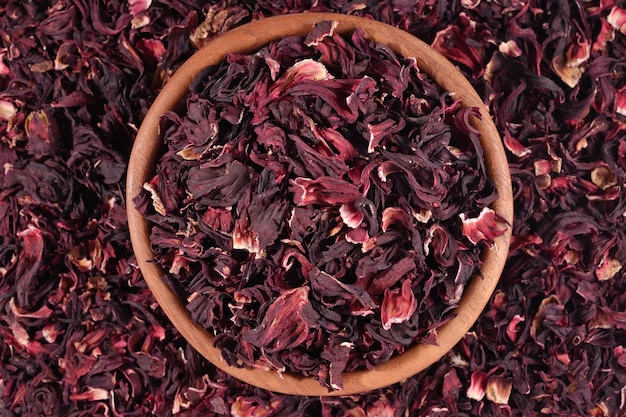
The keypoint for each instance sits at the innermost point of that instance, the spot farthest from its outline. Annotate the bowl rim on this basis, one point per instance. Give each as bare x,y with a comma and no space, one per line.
249,38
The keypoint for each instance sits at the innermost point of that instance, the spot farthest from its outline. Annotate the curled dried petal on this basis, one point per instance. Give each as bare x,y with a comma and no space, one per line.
286,322
617,19
498,389
478,382
398,305
323,190
484,228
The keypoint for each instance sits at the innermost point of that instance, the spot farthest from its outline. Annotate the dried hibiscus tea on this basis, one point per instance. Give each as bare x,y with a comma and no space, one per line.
321,203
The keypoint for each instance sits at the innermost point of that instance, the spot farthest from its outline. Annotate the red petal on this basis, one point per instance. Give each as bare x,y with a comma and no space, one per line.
482,228
606,35
511,329
396,215
358,235
476,390
608,268
286,323
323,190
138,6
617,19
510,49
91,394
514,146
7,110
4,69
499,389
398,305
307,69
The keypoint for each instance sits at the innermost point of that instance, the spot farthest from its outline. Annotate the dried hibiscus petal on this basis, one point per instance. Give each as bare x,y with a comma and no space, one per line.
398,305
286,323
307,204
70,187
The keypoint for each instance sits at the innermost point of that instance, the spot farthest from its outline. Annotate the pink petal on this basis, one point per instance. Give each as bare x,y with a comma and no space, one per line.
606,35
452,43
476,390
571,65
514,146
321,30
343,145
482,228
4,69
356,411
398,305
511,329
219,219
381,130
7,110
395,215
151,49
250,407
542,167
620,101
470,4
619,352
381,408
42,313
244,238
323,190
286,322
307,69
351,216
617,19
50,333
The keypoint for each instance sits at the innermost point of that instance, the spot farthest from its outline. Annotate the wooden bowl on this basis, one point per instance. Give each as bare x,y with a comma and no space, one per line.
250,38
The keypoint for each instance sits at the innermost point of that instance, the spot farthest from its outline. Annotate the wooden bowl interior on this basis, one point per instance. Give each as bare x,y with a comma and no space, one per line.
250,38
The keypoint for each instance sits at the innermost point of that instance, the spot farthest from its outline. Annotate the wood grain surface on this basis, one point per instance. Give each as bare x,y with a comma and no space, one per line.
249,38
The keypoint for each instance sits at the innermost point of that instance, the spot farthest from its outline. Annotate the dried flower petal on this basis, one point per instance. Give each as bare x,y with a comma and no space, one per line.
138,6
608,268
7,110
286,323
572,64
398,305
620,101
476,390
482,228
617,19
498,389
